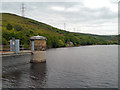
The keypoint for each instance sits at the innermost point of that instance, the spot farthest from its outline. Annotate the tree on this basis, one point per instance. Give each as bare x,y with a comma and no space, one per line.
61,43
18,28
55,42
4,41
31,32
9,27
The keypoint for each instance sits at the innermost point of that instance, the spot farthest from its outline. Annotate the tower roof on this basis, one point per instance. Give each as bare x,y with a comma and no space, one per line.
38,37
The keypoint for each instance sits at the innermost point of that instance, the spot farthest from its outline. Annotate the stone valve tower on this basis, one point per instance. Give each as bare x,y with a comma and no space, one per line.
38,47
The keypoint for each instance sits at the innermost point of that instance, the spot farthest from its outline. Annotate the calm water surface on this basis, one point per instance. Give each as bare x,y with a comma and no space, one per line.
72,67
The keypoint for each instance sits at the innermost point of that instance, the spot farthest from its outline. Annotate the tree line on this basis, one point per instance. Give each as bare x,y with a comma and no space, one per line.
53,41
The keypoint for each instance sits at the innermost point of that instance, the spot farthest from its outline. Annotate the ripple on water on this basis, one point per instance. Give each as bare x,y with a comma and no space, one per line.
75,67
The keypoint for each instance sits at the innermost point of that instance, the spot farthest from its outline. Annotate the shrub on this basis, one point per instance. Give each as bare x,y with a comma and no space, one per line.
9,27
4,41
18,28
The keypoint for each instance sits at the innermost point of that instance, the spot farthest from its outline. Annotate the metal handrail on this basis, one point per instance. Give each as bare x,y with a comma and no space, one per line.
7,48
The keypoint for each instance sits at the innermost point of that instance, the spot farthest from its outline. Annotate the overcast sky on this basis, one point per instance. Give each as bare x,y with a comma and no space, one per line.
86,16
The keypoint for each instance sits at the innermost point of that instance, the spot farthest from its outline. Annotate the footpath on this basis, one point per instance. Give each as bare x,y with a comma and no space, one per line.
10,53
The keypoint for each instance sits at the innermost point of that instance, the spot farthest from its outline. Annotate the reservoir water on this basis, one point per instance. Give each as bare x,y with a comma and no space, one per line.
69,67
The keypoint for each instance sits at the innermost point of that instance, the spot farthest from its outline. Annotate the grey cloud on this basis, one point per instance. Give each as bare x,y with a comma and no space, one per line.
42,11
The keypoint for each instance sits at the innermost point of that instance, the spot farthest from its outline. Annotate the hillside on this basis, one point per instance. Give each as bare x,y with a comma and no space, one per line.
23,28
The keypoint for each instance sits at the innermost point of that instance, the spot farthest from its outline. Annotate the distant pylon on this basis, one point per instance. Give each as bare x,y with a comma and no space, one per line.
64,26
23,9
74,29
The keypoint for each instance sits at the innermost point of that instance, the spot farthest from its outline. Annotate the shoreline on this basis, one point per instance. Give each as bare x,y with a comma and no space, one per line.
84,45
28,52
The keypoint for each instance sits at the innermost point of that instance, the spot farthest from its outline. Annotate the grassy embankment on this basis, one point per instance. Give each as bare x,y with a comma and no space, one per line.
24,28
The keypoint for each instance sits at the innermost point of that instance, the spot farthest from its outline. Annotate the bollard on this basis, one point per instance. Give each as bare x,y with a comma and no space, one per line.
38,47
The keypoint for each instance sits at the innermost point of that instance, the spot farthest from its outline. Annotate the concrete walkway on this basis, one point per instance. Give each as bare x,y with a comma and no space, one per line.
10,53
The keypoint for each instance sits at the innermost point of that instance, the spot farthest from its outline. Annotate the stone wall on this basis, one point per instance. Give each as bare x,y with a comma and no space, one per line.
40,45
38,56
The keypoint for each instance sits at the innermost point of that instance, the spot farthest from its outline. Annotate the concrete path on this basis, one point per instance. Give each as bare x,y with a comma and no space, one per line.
10,53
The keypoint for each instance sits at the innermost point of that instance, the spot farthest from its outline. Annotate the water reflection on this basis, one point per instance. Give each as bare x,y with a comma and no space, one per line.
11,79
24,75
37,74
